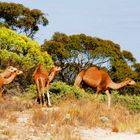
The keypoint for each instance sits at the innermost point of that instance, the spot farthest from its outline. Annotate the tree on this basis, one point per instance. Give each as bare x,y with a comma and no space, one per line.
128,55
21,19
75,52
21,52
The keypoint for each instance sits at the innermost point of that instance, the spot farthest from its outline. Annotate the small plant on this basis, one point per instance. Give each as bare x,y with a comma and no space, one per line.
12,119
115,129
8,132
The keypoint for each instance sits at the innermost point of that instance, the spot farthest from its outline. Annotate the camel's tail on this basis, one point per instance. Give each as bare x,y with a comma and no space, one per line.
79,78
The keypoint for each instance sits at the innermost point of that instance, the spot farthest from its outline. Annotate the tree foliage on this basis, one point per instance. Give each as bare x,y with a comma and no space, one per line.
21,18
75,52
21,52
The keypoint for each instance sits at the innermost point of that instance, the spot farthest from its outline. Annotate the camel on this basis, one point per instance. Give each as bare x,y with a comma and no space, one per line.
100,80
42,81
7,72
5,81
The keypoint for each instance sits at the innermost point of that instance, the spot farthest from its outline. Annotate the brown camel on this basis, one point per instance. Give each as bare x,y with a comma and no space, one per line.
5,81
42,80
100,80
7,72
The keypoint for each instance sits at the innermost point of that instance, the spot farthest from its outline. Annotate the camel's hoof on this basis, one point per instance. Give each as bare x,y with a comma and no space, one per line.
49,105
44,105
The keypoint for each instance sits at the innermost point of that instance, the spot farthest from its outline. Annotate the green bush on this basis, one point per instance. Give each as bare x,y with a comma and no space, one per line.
23,53
61,91
131,102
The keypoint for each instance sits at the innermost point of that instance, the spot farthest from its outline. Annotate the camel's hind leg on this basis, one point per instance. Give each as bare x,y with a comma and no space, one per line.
39,92
79,78
43,91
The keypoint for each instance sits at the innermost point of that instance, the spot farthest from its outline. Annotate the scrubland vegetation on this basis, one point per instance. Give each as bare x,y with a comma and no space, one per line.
73,108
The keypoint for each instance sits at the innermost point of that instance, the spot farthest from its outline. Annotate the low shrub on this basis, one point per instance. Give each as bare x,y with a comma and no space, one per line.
61,91
131,102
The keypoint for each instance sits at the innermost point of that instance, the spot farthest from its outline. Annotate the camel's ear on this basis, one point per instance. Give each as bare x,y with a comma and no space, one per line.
127,79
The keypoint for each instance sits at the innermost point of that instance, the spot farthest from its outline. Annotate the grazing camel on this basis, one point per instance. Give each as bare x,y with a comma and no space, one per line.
42,81
5,81
7,72
100,80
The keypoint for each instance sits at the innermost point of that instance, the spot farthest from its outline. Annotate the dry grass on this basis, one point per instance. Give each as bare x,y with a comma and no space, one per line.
64,132
60,123
12,118
39,117
130,124
74,114
8,132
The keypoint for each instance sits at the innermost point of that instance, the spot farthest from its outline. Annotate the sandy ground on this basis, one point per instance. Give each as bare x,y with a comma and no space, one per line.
23,129
101,134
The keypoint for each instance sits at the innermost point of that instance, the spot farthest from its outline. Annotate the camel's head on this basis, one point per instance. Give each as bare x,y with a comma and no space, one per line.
18,72
56,68
11,69
130,81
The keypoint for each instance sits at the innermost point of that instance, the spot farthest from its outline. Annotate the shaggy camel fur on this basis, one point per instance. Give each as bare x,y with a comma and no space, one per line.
100,80
7,72
42,81
5,81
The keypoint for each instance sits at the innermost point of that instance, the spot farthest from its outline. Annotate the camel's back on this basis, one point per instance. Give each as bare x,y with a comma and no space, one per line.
40,72
92,76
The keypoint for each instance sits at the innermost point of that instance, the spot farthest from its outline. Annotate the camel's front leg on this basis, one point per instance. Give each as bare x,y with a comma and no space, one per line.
48,95
109,98
97,92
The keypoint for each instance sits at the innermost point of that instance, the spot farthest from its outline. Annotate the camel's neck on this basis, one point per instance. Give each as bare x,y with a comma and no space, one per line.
9,79
51,75
5,74
114,85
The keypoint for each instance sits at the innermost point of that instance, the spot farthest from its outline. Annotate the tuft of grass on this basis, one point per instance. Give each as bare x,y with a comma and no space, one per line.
12,118
137,130
130,124
39,117
8,132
